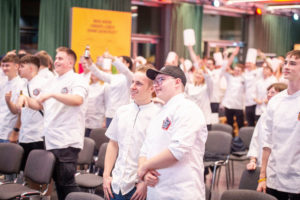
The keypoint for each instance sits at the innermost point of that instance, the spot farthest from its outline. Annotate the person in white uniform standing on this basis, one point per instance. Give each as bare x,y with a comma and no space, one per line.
63,104
171,158
279,175
116,86
255,148
95,113
9,125
127,133
32,121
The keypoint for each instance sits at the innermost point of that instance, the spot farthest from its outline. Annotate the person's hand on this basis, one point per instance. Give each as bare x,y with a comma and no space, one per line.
141,191
251,166
236,51
44,98
22,102
107,187
8,96
262,186
142,171
89,60
13,136
151,178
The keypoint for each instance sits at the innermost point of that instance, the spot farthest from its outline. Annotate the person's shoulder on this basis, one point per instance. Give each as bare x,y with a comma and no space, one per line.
126,108
189,105
277,98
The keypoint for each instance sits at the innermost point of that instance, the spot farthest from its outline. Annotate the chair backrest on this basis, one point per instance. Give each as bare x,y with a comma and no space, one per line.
218,142
245,134
98,135
39,166
246,195
222,127
82,196
101,156
85,156
249,179
10,158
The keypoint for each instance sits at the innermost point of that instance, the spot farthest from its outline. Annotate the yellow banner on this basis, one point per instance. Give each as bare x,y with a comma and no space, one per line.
102,30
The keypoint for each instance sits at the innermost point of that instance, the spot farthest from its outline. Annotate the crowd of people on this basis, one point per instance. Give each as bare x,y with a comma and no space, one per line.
157,120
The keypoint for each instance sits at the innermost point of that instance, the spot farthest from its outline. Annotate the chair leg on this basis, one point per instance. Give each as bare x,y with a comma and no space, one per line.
227,175
212,181
232,169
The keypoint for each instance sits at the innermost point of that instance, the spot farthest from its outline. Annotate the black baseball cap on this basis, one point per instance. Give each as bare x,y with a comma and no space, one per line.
173,71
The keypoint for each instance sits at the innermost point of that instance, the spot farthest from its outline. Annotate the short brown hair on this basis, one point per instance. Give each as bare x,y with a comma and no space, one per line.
69,52
44,59
29,59
278,87
295,53
10,58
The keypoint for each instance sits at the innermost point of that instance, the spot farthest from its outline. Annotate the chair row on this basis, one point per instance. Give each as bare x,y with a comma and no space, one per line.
39,167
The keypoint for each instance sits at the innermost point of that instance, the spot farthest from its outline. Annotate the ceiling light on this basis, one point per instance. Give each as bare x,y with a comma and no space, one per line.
282,7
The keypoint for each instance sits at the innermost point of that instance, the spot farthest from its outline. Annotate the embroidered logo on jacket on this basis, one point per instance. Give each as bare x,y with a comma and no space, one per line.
166,124
36,92
64,90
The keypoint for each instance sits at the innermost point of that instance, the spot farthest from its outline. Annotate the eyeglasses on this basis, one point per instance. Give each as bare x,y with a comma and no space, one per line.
160,80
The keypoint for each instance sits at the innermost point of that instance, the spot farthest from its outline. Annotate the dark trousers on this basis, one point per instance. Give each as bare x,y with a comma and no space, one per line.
214,107
230,113
64,171
283,195
87,132
28,147
125,196
108,121
250,115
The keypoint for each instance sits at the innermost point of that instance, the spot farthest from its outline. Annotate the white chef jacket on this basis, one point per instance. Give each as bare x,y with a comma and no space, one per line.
201,94
64,125
128,129
46,74
216,76
261,93
32,121
94,116
7,119
234,95
282,130
3,79
180,127
251,78
87,76
255,148
116,90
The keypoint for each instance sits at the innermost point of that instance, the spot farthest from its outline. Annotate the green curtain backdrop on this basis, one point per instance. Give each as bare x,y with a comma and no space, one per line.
185,16
9,23
54,21
276,34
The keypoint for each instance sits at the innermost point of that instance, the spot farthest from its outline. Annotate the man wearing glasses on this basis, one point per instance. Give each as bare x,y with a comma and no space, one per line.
171,158
280,174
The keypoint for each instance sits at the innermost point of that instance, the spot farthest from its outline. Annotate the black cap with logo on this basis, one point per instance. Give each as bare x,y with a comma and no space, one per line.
173,71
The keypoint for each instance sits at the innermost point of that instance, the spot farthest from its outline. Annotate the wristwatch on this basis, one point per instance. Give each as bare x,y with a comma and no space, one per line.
16,129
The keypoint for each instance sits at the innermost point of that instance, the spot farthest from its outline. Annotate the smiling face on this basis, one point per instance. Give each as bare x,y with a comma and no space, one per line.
166,86
141,88
10,69
291,68
63,63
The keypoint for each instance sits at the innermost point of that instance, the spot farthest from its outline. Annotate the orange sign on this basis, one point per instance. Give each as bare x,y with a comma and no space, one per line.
102,30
